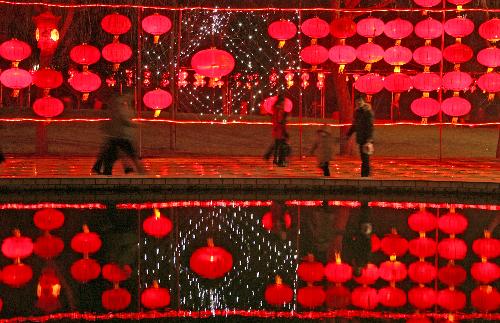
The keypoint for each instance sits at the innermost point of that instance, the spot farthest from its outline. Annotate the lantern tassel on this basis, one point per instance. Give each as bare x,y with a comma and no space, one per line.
157,113
491,96
341,68
368,67
116,67
314,41
281,44
156,39
85,97
15,93
15,64
454,120
424,121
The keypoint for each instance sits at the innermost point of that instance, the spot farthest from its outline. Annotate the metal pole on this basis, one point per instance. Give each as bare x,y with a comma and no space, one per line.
440,93
300,91
173,136
138,90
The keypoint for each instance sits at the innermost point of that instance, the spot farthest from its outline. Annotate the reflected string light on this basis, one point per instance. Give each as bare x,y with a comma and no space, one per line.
38,206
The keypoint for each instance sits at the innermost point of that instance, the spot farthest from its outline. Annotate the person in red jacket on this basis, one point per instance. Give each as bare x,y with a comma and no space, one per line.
279,133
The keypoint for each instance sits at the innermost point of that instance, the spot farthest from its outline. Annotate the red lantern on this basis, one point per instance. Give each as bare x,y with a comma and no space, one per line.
452,275
85,82
369,53
398,28
422,272
48,107
211,262
485,298
459,3
489,57
48,246
420,319
487,247
427,55
392,296
369,84
425,107
452,223
16,79
157,99
315,28
157,225
85,55
17,246
422,247
338,297
370,27
397,82
427,3
459,27
15,50
338,272
369,275
310,271
490,30
48,219
314,54
455,106
86,242
48,290
428,29
342,55
422,297
397,56
116,299
451,300
489,82
282,30
213,63
452,249
271,101
116,24
311,296
85,270
156,25
278,294
485,272
343,27
458,53
427,82
47,78
116,53
365,297
16,275
394,245
46,33
392,271
375,242
155,297
116,273
422,221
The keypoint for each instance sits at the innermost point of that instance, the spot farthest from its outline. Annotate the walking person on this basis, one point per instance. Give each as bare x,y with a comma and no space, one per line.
323,149
363,127
279,133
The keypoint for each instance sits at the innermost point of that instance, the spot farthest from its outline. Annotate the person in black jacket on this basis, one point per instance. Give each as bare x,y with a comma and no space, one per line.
363,127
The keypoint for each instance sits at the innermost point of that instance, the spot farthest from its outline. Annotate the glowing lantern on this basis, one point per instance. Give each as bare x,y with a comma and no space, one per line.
15,50
271,101
85,270
427,3
369,84
397,83
429,29
16,79
314,55
370,27
427,82
458,53
342,55
116,53
452,248
311,296
369,275
364,297
47,78
397,56
485,298
213,63
85,82
157,225
427,56
310,270
338,297
451,299
115,273
17,247
48,107
48,219
16,275
419,319
487,247
156,25
46,32
155,297
489,57
211,262
86,242
393,244
116,299
116,24
459,27
422,297
398,29
422,247
459,3
48,290
392,296
282,30
338,272
422,272
422,221
315,28
85,55
485,272
452,223
489,82
369,53
278,294
392,271
48,246
455,106
343,28
425,107
490,30
452,275
157,100
375,241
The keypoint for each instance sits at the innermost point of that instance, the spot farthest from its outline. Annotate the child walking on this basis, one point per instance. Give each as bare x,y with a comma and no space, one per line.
323,149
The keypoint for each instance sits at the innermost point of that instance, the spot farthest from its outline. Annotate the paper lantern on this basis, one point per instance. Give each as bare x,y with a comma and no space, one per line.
485,272
490,30
489,82
155,297
364,297
370,83
375,241
48,246
427,82
397,56
459,3
451,300
489,57
310,270
16,275
452,275
398,28
338,272
157,226
85,82
211,262
459,27
157,99
485,298
15,50
455,106
458,53
85,270
343,27
46,32
422,221
85,54
278,294
48,107
86,242
427,55
116,299
392,271
429,29
394,245
422,247
338,297
369,53
425,107
342,55
397,82
457,81
422,272
271,101
452,249
314,55
427,3
116,24
116,53
487,247
369,275
16,79
370,27
419,319
311,296
213,63
17,246
422,297
392,296
282,30
48,290
156,25
315,28
48,219
452,223
115,273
